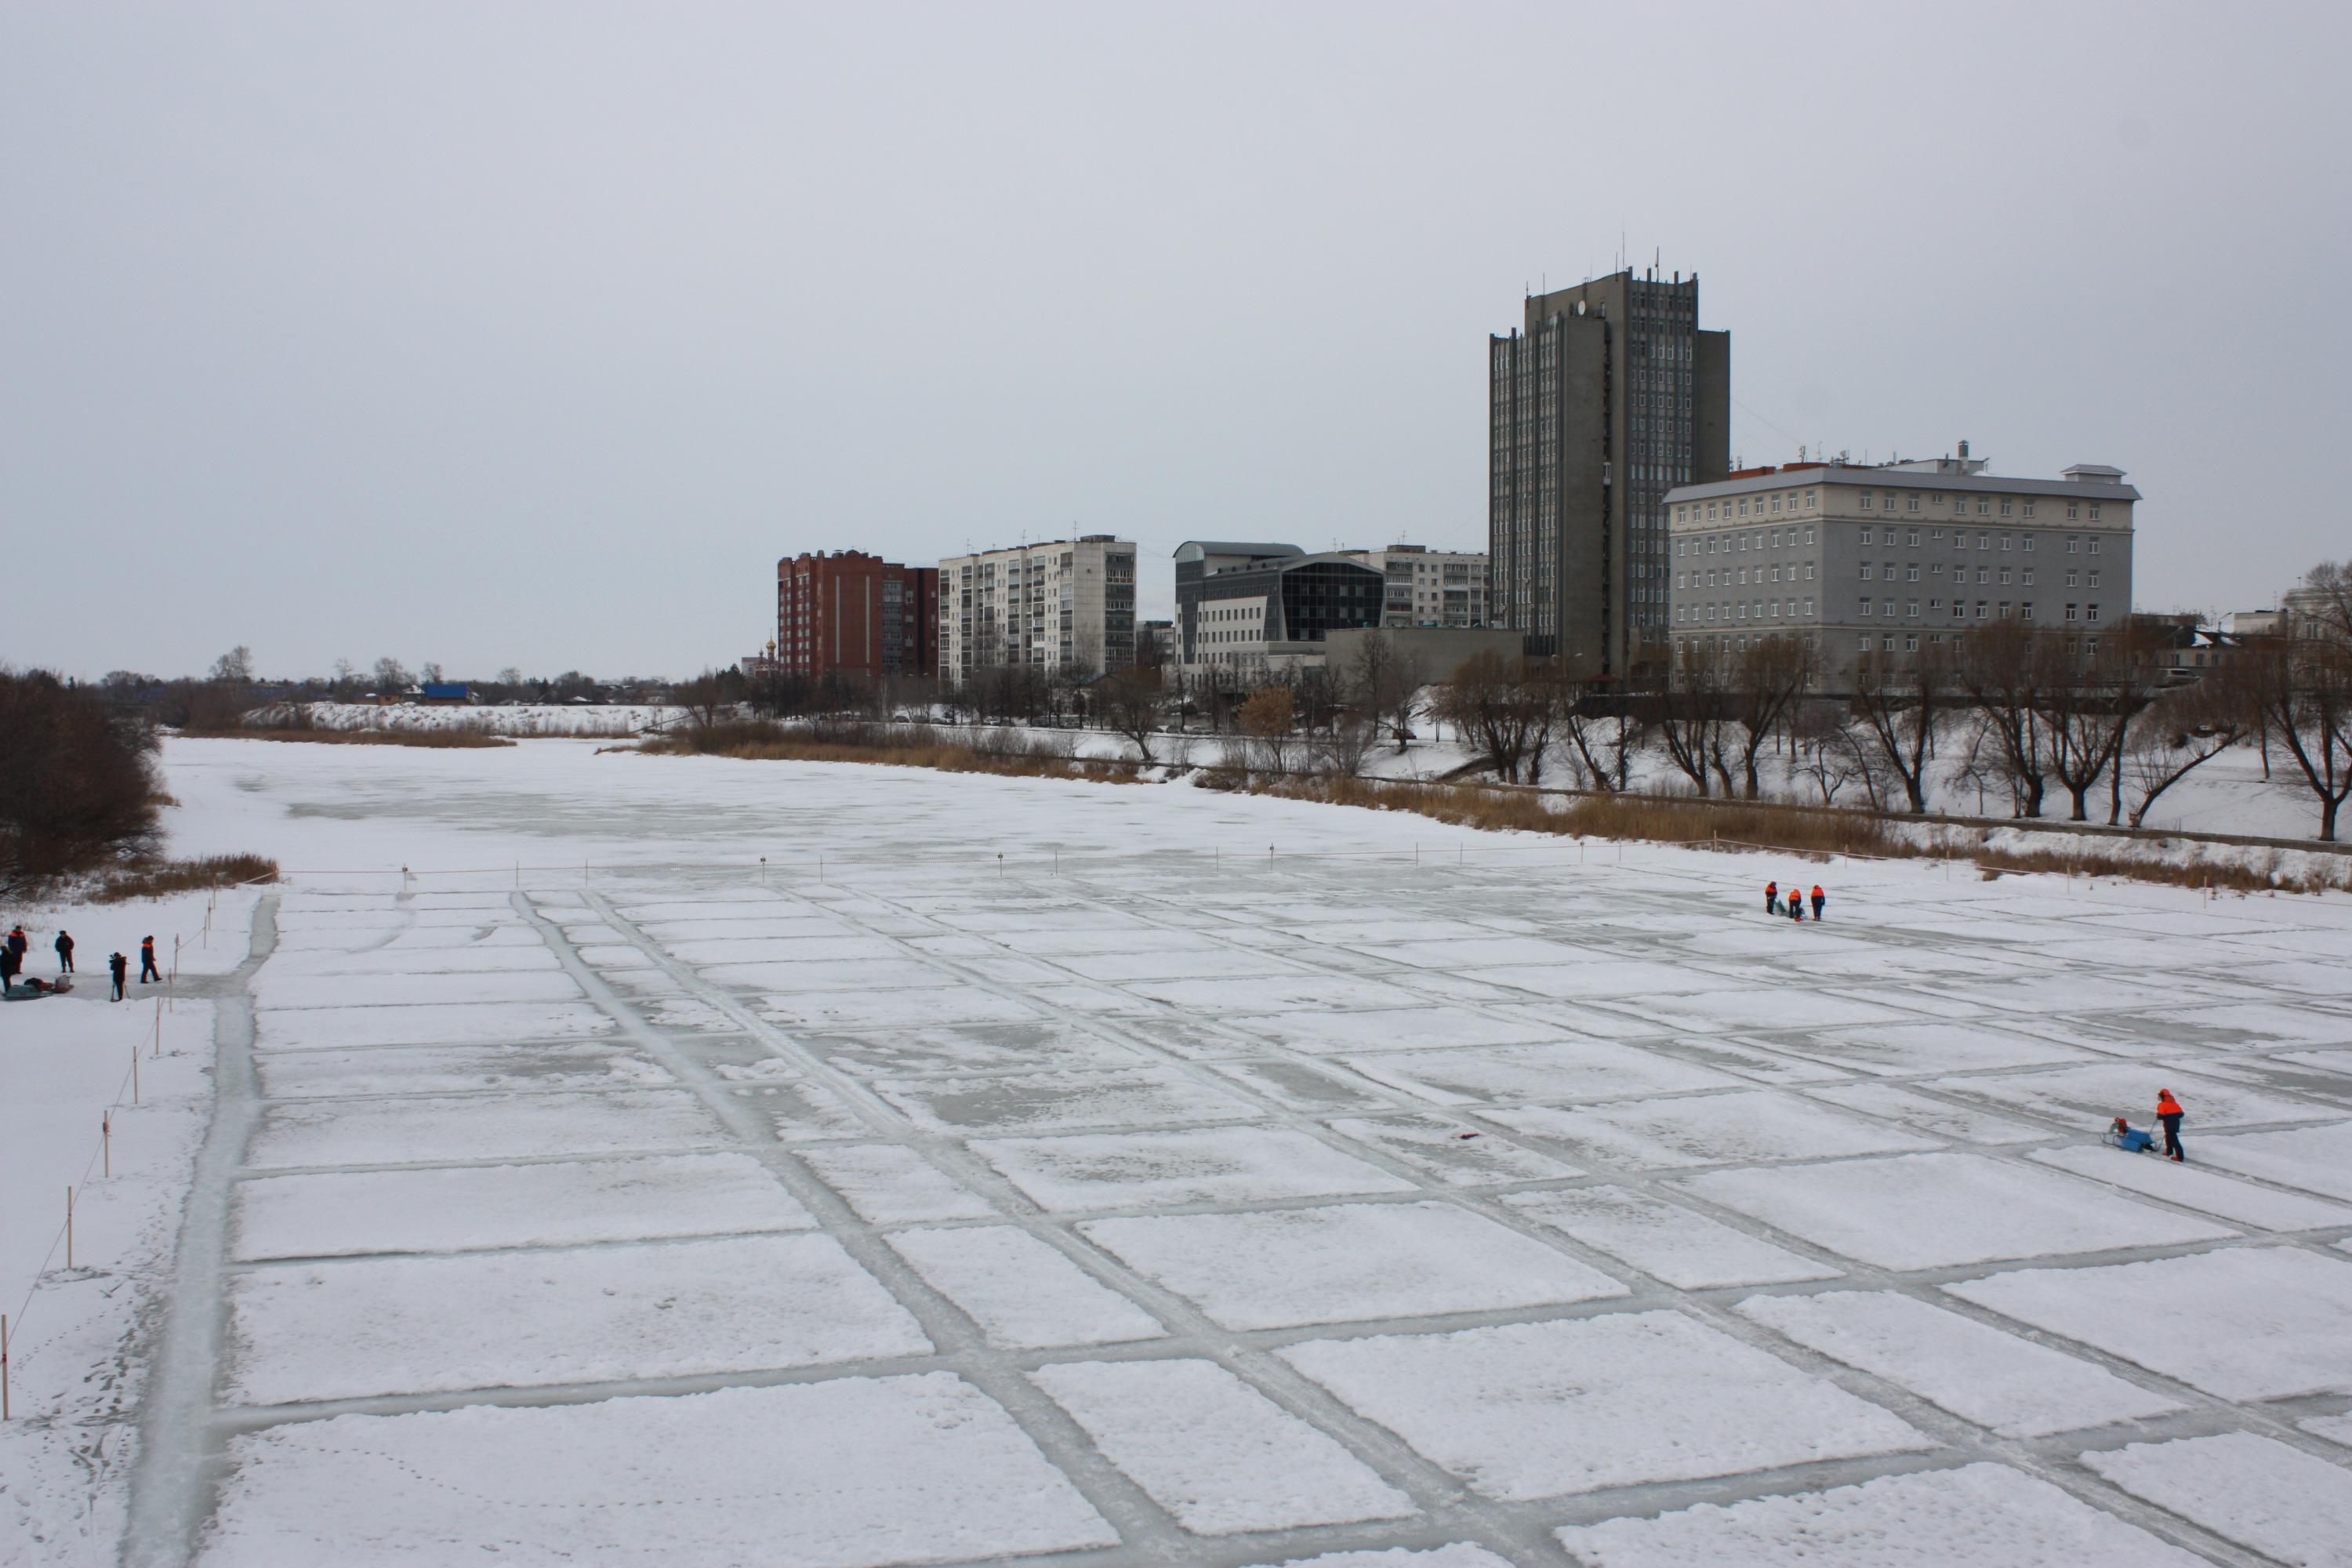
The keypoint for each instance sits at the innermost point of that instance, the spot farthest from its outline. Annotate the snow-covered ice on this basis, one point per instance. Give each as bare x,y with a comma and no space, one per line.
2242,1324
1215,1453
1979,1514
2257,1491
1929,1211
1533,1410
620,1201
1282,1268
2013,1385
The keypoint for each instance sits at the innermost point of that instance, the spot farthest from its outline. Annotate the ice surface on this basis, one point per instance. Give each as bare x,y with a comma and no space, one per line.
339,1212
2241,1202
1679,1245
1752,1125
1390,1028
1349,1262
367,1326
2254,1490
845,1474
1457,1155
2089,1096
1213,1451
2315,1159
1913,1049
2243,1323
399,1069
888,1183
1585,1070
2016,1387
1221,1164
427,1023
1534,1410
1929,1211
1052,1101
1459,1554
478,1127
1020,1291
971,1047
1981,1513
1934,1118
279,991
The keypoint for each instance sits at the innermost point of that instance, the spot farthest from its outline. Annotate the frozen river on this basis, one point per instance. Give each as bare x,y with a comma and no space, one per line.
588,1195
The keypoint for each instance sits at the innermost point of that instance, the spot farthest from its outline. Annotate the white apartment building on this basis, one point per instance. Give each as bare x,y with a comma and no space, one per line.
1429,587
1873,560
1065,607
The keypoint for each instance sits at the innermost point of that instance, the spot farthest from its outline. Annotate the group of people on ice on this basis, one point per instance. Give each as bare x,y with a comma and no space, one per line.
12,966
1793,907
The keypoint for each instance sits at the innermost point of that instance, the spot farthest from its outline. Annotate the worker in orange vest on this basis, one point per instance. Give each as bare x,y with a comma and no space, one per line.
1772,898
1818,901
2167,1110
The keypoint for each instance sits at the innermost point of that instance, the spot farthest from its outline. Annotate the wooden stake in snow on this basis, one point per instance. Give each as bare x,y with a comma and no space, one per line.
106,1139
4,1366
134,1075
70,1230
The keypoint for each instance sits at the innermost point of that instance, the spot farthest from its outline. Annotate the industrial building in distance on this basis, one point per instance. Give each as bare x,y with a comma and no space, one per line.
1252,611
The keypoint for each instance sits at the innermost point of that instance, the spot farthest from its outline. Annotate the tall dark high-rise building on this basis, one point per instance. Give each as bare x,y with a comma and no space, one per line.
1607,398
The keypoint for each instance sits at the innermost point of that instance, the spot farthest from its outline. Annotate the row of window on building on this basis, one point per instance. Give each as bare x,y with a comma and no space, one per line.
1779,609
1778,502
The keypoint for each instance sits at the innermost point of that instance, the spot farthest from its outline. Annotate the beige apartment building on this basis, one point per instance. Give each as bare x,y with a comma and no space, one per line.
1879,560
1429,587
1067,606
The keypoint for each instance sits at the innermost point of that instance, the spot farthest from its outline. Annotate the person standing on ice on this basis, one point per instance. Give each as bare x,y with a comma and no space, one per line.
119,967
65,952
8,962
1772,898
16,945
1818,901
147,970
2169,1112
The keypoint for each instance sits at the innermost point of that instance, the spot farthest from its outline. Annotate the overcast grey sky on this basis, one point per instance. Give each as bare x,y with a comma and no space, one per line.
533,334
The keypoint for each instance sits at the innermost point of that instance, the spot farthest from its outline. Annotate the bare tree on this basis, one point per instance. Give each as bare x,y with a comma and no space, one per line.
390,676
1690,719
1384,681
1344,748
1763,686
2005,670
1603,732
1267,719
2302,689
1826,751
2181,731
235,667
78,782
1901,704
1130,703
1505,710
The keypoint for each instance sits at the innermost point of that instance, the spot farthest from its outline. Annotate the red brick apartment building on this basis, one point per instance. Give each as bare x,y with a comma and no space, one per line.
856,613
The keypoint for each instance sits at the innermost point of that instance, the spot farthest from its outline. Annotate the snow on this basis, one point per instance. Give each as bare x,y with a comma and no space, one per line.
1020,1291
1457,1555
478,1127
407,1325
1351,1157
827,1474
1349,1262
1052,1101
334,1213
2013,1386
1534,1410
890,1184
2244,1323
1685,1248
1746,1127
1102,1171
1978,1514
1931,1211
1214,1452
2240,1203
2255,1490
2315,1159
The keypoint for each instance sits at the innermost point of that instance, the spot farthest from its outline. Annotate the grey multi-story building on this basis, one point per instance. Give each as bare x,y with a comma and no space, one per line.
1860,560
1608,397
1064,607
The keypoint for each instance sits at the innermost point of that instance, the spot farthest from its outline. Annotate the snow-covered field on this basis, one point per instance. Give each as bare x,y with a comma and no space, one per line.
1215,1179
